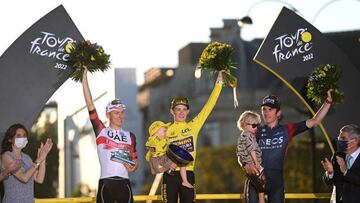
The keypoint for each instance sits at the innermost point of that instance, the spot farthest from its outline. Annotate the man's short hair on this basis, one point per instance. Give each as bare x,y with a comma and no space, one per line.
179,101
271,101
353,130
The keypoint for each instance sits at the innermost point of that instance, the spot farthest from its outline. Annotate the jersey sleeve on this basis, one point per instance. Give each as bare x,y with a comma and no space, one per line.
97,124
200,119
296,128
133,145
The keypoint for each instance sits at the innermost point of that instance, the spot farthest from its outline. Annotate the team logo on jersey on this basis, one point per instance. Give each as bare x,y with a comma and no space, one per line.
185,130
117,136
186,143
271,143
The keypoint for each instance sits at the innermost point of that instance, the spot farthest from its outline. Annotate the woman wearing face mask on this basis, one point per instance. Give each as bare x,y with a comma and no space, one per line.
19,186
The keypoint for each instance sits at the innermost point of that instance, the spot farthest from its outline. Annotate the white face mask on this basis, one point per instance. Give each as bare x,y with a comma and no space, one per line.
20,142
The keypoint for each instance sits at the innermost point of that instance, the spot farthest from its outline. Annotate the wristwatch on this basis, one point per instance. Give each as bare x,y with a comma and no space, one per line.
36,165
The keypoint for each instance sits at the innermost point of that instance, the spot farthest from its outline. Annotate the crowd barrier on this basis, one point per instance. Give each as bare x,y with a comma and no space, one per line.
138,198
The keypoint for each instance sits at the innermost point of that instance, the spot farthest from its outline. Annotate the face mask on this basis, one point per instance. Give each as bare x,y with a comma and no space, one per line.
20,142
342,145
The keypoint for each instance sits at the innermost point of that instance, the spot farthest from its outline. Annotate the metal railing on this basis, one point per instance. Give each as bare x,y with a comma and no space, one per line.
198,197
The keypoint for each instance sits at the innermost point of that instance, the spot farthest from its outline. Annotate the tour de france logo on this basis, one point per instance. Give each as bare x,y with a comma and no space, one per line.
293,44
51,46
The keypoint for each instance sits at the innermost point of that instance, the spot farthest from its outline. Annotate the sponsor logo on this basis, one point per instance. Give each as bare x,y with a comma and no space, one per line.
117,136
271,143
51,46
293,44
185,130
186,143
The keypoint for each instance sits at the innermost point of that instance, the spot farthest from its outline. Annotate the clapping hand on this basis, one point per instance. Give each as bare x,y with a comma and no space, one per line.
341,163
44,149
327,165
14,166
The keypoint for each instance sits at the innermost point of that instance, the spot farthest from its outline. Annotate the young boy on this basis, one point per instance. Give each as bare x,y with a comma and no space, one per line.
157,146
248,150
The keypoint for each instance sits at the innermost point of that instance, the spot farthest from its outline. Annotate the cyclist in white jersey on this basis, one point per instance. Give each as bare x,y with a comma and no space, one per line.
116,149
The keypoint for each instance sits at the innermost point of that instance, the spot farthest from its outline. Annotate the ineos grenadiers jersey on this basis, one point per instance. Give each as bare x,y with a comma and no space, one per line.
274,142
185,134
112,143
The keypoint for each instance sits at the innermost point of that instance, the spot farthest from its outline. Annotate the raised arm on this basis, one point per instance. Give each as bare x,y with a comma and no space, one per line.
321,113
41,160
210,104
87,94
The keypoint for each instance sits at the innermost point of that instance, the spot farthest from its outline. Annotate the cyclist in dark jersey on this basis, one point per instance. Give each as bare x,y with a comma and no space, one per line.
116,150
274,139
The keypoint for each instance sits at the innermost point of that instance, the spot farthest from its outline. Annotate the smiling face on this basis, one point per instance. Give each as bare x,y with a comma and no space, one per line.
270,115
116,118
180,113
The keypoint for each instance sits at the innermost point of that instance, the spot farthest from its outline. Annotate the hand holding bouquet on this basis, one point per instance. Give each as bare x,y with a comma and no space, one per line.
215,58
322,79
84,53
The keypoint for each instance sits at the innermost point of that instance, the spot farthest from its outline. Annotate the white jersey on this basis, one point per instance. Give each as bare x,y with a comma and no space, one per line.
114,147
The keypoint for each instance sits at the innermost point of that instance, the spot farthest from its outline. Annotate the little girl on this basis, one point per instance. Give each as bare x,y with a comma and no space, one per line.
157,146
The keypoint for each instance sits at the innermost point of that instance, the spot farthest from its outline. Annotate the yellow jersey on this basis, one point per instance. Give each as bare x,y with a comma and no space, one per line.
156,147
185,134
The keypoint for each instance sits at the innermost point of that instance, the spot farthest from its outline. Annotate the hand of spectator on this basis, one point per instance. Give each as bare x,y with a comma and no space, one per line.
341,163
44,149
327,165
14,166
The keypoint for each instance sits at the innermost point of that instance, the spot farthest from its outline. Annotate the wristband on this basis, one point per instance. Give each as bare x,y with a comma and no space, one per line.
328,101
36,165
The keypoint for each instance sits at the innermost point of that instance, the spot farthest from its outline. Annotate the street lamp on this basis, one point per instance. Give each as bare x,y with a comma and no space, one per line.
323,7
247,19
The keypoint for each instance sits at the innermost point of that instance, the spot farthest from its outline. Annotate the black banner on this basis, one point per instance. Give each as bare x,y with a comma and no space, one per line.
34,67
291,51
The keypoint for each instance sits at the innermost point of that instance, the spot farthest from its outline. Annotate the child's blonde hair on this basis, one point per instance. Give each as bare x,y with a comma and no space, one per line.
246,118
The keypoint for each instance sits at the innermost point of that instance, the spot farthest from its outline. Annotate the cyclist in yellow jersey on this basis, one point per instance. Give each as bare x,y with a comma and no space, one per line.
184,134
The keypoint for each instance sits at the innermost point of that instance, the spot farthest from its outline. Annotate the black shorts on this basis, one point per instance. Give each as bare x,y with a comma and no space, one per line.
114,189
172,188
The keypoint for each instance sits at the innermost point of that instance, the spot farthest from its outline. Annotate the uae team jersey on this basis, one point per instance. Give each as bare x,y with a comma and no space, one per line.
273,142
112,143
185,134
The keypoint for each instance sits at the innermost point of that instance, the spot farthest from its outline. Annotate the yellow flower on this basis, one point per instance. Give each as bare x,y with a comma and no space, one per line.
322,73
92,58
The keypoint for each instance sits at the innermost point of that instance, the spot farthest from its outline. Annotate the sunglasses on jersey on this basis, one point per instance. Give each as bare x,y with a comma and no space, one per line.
253,125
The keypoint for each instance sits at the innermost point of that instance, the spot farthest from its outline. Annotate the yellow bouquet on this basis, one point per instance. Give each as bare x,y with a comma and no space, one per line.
84,53
323,78
215,58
